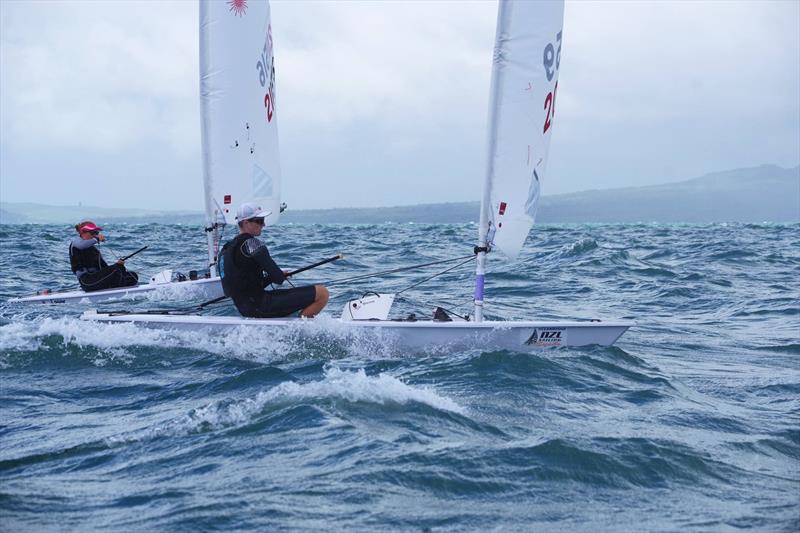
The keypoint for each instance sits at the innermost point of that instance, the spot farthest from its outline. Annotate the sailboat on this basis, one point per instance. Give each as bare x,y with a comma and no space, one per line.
239,134
527,57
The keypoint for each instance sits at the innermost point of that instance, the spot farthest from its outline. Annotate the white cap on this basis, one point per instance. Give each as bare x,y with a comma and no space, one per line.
249,210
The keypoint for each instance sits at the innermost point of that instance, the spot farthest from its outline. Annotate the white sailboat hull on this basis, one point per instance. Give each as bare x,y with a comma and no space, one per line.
488,335
201,289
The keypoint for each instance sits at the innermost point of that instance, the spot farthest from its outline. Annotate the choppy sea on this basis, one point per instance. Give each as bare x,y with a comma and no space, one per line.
691,421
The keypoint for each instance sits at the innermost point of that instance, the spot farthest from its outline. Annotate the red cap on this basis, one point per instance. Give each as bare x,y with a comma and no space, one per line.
90,227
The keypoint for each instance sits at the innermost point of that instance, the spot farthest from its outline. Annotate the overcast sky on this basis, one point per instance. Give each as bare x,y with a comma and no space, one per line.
385,103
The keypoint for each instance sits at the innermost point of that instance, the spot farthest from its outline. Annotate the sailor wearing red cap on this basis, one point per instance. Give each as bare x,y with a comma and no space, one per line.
88,265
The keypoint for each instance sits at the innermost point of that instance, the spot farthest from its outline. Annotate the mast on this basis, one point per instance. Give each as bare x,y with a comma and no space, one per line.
205,62
491,143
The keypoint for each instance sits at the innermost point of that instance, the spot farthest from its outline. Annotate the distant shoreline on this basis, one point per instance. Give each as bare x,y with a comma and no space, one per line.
760,194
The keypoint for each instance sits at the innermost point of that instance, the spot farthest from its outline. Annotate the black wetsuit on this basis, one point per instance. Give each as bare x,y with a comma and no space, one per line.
246,268
93,272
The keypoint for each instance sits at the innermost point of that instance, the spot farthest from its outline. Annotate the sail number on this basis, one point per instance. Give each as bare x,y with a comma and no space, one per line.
266,67
550,107
551,59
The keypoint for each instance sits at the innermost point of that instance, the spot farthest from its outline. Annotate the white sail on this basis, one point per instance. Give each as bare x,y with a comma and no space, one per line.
239,125
522,106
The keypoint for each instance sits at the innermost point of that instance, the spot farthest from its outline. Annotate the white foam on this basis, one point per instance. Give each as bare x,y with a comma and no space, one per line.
16,337
113,339
182,292
339,384
112,342
358,387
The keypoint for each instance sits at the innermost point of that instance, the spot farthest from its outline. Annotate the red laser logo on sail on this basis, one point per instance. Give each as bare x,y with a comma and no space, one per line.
239,7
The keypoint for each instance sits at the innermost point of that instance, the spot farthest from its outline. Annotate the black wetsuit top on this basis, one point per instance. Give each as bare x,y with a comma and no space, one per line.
246,268
85,257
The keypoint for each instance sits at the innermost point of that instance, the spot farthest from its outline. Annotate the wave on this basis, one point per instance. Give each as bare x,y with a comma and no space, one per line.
783,311
791,348
578,248
658,254
733,255
336,385
618,463
654,272
770,446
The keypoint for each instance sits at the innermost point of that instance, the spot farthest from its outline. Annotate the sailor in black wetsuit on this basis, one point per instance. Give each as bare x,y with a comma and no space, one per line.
246,268
93,272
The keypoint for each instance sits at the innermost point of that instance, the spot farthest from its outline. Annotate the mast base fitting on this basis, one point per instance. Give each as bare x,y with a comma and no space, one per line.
215,226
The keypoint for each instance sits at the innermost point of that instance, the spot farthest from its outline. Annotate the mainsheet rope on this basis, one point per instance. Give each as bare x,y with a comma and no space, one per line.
402,269
437,274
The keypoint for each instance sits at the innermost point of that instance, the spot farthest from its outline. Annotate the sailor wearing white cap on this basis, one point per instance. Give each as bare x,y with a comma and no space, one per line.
246,268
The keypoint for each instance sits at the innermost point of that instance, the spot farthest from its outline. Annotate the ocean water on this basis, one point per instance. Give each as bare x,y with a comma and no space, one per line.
691,421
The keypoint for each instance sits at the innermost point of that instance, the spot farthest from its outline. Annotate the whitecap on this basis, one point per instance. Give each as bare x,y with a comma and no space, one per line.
357,386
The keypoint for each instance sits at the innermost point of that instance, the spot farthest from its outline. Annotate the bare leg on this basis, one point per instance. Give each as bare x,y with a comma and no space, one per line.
320,301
